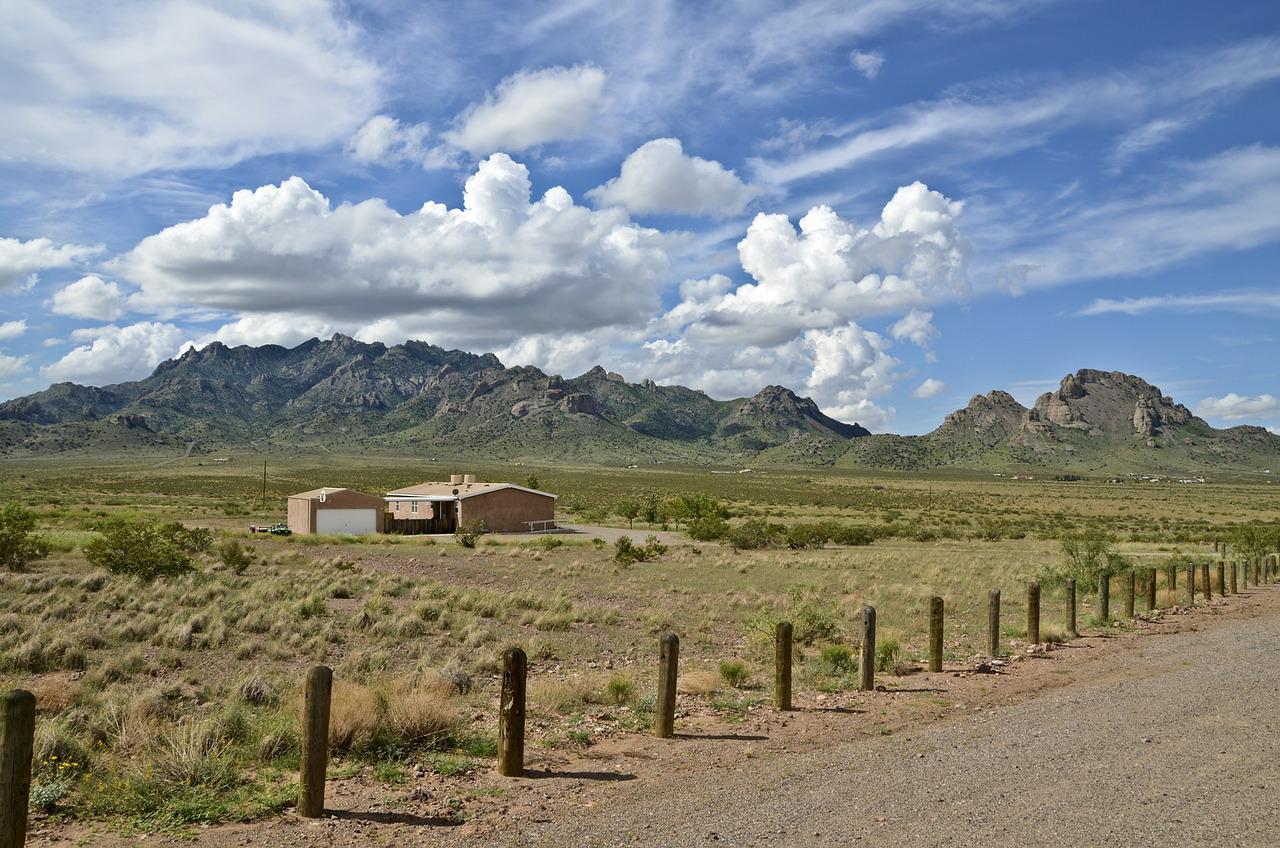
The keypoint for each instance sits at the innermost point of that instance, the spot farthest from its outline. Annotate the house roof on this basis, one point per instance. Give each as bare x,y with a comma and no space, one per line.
449,491
315,494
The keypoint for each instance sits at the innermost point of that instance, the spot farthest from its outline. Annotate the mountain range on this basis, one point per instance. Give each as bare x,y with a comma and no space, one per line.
417,398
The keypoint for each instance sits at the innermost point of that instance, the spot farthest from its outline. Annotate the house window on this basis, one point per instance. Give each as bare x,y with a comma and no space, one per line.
413,507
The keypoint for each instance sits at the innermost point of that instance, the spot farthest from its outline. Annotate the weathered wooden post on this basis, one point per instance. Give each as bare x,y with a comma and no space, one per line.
1033,613
1244,572
993,623
1205,586
1104,596
17,740
515,674
1222,579
1173,578
1071,609
668,667
1191,584
935,633
867,668
782,665
315,741
1235,590
1151,589
1130,587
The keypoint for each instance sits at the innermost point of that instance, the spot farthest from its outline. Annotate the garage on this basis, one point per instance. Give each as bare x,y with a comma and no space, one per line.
327,510
347,521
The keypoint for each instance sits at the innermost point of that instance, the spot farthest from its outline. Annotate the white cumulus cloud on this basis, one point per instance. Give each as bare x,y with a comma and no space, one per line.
915,326
13,329
659,177
530,108
500,267
11,366
929,388
114,354
20,261
1234,407
90,297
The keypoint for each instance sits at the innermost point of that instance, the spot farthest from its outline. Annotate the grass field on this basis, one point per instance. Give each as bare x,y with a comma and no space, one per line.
172,702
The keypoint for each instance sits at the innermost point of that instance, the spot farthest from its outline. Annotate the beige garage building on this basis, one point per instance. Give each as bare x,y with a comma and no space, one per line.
443,507
335,511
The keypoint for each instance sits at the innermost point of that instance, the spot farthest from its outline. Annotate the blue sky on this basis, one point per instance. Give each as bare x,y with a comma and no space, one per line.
888,205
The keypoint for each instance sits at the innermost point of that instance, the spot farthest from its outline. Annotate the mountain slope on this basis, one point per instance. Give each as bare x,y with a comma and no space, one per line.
413,397
1098,421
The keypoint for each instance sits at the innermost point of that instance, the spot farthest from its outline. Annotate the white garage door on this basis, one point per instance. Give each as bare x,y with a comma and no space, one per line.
346,521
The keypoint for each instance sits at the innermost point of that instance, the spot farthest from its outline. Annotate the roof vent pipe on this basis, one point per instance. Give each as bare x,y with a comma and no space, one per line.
468,478
455,479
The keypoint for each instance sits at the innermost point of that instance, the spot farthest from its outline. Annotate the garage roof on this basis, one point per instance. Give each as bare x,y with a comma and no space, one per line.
326,491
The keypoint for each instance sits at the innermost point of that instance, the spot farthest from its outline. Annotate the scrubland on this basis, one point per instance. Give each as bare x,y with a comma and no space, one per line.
169,702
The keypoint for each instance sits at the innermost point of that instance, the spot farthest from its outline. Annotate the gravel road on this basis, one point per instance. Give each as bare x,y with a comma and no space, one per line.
1173,744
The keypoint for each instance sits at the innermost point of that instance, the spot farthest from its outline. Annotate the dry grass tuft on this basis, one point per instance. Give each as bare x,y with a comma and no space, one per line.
698,682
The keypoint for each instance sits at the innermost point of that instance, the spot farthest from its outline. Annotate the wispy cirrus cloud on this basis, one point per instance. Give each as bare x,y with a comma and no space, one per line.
1249,302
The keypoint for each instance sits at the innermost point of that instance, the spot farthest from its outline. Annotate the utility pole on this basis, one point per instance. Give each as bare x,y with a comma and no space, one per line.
264,485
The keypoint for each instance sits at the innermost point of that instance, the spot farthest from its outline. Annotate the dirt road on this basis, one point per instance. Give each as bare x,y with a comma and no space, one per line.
1174,743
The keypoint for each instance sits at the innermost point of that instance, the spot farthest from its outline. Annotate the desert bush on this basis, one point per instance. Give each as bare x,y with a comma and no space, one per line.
626,551
755,533
423,714
707,529
139,548
888,653
469,533
237,557
195,753
836,659
620,689
353,715
801,536
734,673
1087,555
19,542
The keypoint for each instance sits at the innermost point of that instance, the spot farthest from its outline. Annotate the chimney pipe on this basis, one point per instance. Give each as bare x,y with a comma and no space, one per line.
455,479
468,478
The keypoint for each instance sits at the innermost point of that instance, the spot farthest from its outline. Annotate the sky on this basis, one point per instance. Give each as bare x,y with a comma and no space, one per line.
886,205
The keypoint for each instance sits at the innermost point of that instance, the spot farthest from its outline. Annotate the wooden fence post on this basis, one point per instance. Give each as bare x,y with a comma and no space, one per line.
867,667
1130,587
1244,572
1151,589
315,741
1235,590
1104,596
664,719
1222,579
993,623
1173,578
936,612
1071,609
1206,588
1033,613
515,675
17,739
782,665
1191,584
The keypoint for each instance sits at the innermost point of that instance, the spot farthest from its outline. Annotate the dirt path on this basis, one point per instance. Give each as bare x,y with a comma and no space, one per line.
1173,743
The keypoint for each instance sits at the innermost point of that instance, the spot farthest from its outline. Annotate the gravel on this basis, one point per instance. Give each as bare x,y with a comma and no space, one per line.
1172,744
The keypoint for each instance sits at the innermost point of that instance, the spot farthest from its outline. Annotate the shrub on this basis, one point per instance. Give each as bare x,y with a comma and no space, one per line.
801,536
707,529
422,715
837,659
353,716
469,533
19,543
852,535
734,673
139,548
1088,555
630,509
620,689
193,540
754,534
626,551
236,556
887,654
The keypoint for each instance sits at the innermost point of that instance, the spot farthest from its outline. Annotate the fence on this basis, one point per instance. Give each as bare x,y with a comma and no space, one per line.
18,707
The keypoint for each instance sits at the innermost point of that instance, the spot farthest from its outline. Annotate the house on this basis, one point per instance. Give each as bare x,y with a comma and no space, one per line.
443,507
335,511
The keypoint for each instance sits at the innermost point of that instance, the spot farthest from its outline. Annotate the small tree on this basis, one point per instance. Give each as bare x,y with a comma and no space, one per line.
652,509
1089,555
1254,542
140,548
236,556
531,482
19,543
630,509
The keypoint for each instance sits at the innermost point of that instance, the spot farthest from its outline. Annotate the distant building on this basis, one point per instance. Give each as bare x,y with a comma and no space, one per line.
335,511
443,507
